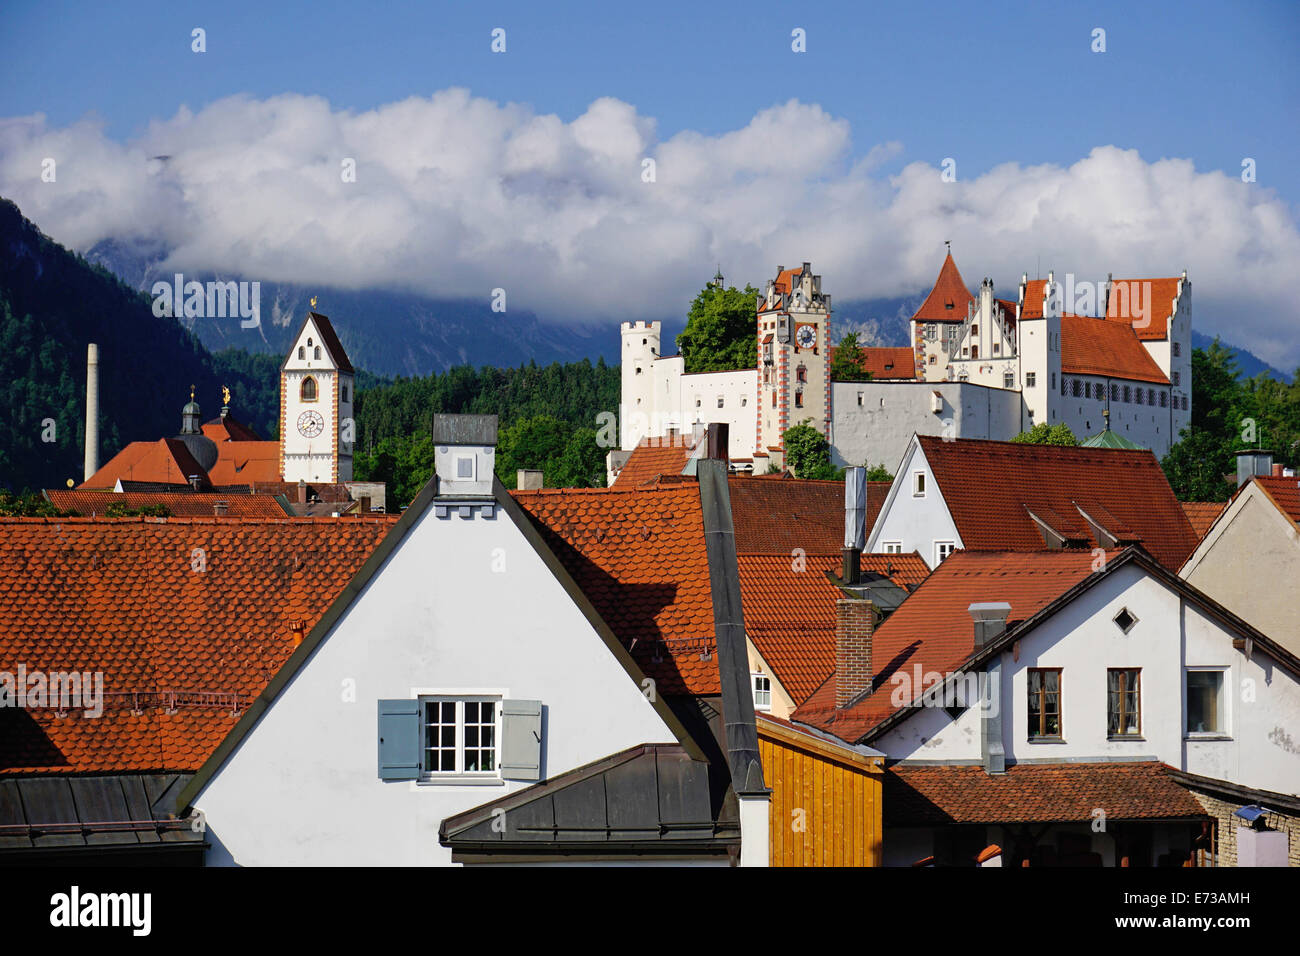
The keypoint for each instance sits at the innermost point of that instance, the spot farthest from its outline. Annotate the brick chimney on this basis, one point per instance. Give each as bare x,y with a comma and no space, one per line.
855,621
302,492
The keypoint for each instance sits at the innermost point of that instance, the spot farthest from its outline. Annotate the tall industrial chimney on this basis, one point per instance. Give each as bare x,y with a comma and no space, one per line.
92,410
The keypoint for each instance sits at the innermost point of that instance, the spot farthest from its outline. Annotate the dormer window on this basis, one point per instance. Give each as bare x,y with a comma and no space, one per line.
465,467
308,391
762,692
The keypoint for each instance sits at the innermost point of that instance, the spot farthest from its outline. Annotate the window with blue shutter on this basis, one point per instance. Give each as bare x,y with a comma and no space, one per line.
399,739
521,739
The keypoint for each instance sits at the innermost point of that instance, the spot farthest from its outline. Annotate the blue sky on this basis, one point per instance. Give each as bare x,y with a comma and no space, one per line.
992,82
525,170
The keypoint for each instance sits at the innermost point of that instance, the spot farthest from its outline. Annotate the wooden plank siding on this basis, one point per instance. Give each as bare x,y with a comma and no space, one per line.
826,799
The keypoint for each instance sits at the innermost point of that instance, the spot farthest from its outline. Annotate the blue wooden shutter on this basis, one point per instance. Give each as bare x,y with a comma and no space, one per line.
399,739
521,739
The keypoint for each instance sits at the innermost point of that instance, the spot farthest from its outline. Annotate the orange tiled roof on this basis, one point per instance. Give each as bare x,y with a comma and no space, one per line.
1285,492
932,629
885,362
639,558
1097,347
167,461
1035,793
229,429
1031,307
1202,514
246,462
991,487
653,457
948,299
89,504
122,597
777,516
790,610
1164,294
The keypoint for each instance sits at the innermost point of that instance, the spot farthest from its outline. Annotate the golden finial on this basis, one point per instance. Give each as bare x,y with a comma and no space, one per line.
225,395
191,393
313,303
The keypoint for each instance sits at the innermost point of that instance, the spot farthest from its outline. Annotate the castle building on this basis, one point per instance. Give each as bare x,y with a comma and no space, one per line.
1114,355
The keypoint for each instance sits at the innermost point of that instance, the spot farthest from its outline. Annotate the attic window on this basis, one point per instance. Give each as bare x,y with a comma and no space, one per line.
465,467
1125,620
762,692
918,485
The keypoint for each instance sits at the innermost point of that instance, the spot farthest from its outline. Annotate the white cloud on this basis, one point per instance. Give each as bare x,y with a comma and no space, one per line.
457,195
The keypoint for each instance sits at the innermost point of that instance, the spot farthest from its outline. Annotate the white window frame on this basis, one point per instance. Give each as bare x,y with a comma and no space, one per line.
754,678
938,559
893,547
918,484
1225,703
493,778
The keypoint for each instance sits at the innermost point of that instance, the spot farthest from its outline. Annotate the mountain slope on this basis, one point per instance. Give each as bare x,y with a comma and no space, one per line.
52,304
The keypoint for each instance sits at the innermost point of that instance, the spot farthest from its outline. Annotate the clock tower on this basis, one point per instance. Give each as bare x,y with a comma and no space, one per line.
316,399
793,363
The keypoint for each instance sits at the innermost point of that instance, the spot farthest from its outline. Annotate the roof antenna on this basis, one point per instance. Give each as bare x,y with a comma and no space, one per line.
948,243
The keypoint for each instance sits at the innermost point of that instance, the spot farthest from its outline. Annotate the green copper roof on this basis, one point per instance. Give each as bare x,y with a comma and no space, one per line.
1108,439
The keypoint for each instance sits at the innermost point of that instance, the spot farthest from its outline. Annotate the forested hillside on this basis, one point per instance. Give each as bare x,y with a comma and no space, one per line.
547,418
52,304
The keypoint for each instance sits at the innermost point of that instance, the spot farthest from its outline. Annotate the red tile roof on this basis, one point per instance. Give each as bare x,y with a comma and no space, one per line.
167,461
1121,308
789,610
639,558
1097,347
885,362
1031,306
654,457
932,629
89,504
229,428
781,514
1285,493
948,299
1202,514
991,488
1035,793
122,597
245,462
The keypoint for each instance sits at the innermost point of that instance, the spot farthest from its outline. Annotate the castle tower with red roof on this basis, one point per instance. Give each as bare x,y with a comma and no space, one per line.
794,339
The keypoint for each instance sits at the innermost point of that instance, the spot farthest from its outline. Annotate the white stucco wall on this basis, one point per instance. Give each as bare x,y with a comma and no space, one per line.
1250,562
303,787
1261,748
876,428
918,523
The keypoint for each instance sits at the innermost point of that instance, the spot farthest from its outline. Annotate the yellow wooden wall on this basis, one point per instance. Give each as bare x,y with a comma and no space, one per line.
840,800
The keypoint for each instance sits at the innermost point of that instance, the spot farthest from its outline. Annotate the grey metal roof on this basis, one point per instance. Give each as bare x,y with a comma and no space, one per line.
69,811
649,798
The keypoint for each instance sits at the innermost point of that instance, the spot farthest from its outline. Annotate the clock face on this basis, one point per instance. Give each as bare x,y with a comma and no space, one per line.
310,424
806,336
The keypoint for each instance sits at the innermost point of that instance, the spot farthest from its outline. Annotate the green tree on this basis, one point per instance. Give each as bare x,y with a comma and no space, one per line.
29,505
848,364
1045,434
719,333
878,473
808,453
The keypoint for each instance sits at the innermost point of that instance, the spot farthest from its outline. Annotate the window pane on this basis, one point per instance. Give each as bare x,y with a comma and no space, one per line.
1203,701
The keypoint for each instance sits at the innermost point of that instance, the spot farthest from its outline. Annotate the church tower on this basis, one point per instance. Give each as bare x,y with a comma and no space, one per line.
794,332
316,397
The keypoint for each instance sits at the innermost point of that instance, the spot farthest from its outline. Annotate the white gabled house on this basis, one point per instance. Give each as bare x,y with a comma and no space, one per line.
1025,696
953,494
463,672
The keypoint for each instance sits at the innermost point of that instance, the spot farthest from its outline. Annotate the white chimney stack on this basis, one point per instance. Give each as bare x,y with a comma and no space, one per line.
92,410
